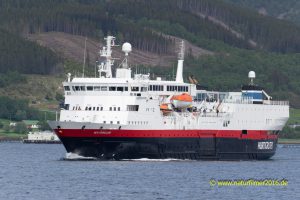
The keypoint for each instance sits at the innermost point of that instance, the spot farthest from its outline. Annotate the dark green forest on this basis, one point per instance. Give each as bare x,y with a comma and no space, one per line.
287,9
240,39
17,110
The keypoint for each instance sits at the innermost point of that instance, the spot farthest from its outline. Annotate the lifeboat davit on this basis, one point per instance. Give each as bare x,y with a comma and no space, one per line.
182,101
165,108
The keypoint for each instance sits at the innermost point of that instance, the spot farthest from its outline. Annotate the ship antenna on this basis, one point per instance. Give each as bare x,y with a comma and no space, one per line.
106,53
84,57
179,77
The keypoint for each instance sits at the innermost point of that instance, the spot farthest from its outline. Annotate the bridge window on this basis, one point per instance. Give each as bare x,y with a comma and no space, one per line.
103,88
134,89
89,88
76,88
156,88
112,88
120,89
143,89
67,88
96,88
132,107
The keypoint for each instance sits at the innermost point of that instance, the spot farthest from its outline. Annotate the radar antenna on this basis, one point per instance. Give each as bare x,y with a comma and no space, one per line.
251,76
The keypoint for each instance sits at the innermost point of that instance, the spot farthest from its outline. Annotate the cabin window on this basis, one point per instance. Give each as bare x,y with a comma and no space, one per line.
120,89
132,107
77,88
89,88
126,88
96,88
134,89
67,88
110,108
119,108
156,88
143,89
82,88
112,88
97,108
103,88
115,109
101,108
94,108
104,122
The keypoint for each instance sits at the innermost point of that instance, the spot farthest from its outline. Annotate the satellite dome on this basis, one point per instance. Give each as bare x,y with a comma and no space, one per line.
251,74
126,48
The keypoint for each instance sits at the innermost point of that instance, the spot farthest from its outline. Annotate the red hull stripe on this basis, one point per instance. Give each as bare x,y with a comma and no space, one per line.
99,133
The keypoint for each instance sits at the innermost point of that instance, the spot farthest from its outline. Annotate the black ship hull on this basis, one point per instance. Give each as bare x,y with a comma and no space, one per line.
177,148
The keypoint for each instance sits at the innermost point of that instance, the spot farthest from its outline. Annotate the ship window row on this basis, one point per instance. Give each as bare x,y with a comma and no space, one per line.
132,107
111,122
177,88
156,88
133,88
106,88
114,108
138,122
94,108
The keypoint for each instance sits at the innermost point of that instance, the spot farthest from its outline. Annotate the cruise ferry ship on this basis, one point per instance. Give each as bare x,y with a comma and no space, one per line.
131,116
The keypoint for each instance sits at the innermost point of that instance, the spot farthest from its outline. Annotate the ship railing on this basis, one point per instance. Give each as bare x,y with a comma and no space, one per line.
212,114
238,101
280,103
250,101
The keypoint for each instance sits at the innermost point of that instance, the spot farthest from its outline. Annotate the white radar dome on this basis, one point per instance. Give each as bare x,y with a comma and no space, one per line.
126,48
251,74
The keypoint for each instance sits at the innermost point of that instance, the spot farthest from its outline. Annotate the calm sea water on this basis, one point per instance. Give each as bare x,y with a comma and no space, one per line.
38,171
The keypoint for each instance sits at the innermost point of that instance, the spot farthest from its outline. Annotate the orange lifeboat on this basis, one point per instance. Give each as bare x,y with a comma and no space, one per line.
165,108
182,101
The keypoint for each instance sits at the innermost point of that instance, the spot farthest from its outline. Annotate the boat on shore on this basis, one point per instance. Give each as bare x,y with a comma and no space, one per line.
132,117
42,137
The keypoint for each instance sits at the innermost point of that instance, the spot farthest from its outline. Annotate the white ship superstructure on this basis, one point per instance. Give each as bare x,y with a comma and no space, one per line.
134,106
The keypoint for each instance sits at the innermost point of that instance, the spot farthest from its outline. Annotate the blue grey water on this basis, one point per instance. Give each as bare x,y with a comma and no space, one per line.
38,171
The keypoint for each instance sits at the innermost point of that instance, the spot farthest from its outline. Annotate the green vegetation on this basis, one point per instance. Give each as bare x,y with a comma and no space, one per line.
17,110
17,54
292,133
288,141
241,39
11,77
287,9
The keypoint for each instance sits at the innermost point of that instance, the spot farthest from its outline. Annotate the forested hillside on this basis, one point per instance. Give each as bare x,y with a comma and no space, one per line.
287,9
240,39
17,54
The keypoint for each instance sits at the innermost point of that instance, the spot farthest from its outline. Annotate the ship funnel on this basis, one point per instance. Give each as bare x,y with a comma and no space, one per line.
179,72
